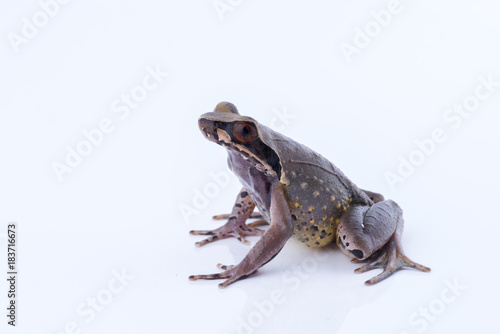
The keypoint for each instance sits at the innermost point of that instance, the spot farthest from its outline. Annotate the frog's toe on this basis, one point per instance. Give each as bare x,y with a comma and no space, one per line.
247,231
224,267
228,231
405,262
226,216
228,271
401,262
221,216
379,262
391,259
207,241
201,232
213,236
210,276
229,274
258,223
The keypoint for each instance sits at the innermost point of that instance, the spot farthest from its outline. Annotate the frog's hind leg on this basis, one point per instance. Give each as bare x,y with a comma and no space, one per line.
236,225
374,234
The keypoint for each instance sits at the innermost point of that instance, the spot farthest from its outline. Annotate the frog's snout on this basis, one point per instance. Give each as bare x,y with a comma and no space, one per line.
206,127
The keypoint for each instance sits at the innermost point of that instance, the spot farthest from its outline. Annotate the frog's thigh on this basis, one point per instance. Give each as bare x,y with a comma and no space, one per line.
362,230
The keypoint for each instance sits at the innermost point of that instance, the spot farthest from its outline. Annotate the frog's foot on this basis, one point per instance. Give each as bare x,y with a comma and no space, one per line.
231,274
373,234
230,229
391,259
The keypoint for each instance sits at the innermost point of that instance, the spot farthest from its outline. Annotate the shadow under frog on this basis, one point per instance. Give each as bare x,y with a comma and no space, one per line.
299,194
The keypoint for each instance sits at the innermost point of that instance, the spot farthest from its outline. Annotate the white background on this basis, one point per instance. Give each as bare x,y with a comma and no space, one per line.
120,208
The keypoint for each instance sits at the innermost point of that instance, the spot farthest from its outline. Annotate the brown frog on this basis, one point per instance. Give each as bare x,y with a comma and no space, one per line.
299,194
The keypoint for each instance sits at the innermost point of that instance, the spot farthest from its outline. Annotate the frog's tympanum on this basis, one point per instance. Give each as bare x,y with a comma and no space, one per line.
299,194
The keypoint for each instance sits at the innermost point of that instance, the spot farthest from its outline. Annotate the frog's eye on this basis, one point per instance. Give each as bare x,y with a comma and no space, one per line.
244,132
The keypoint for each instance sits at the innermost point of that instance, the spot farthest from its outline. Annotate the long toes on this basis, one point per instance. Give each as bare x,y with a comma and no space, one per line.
405,262
390,266
227,273
422,268
380,262
257,223
230,229
368,267
227,215
207,241
210,276
380,277
250,230
202,232
365,268
230,280
222,216
368,260
225,283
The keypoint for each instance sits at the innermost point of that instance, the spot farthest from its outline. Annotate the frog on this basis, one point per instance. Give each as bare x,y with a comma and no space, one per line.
299,194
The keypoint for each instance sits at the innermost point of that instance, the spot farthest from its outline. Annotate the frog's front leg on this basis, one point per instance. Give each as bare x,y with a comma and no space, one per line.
265,249
235,226
364,230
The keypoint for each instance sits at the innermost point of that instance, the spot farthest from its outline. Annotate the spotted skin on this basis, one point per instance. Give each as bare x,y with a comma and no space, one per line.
317,201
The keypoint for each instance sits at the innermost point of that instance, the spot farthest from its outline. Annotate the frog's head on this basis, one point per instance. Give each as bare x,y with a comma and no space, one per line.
242,135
